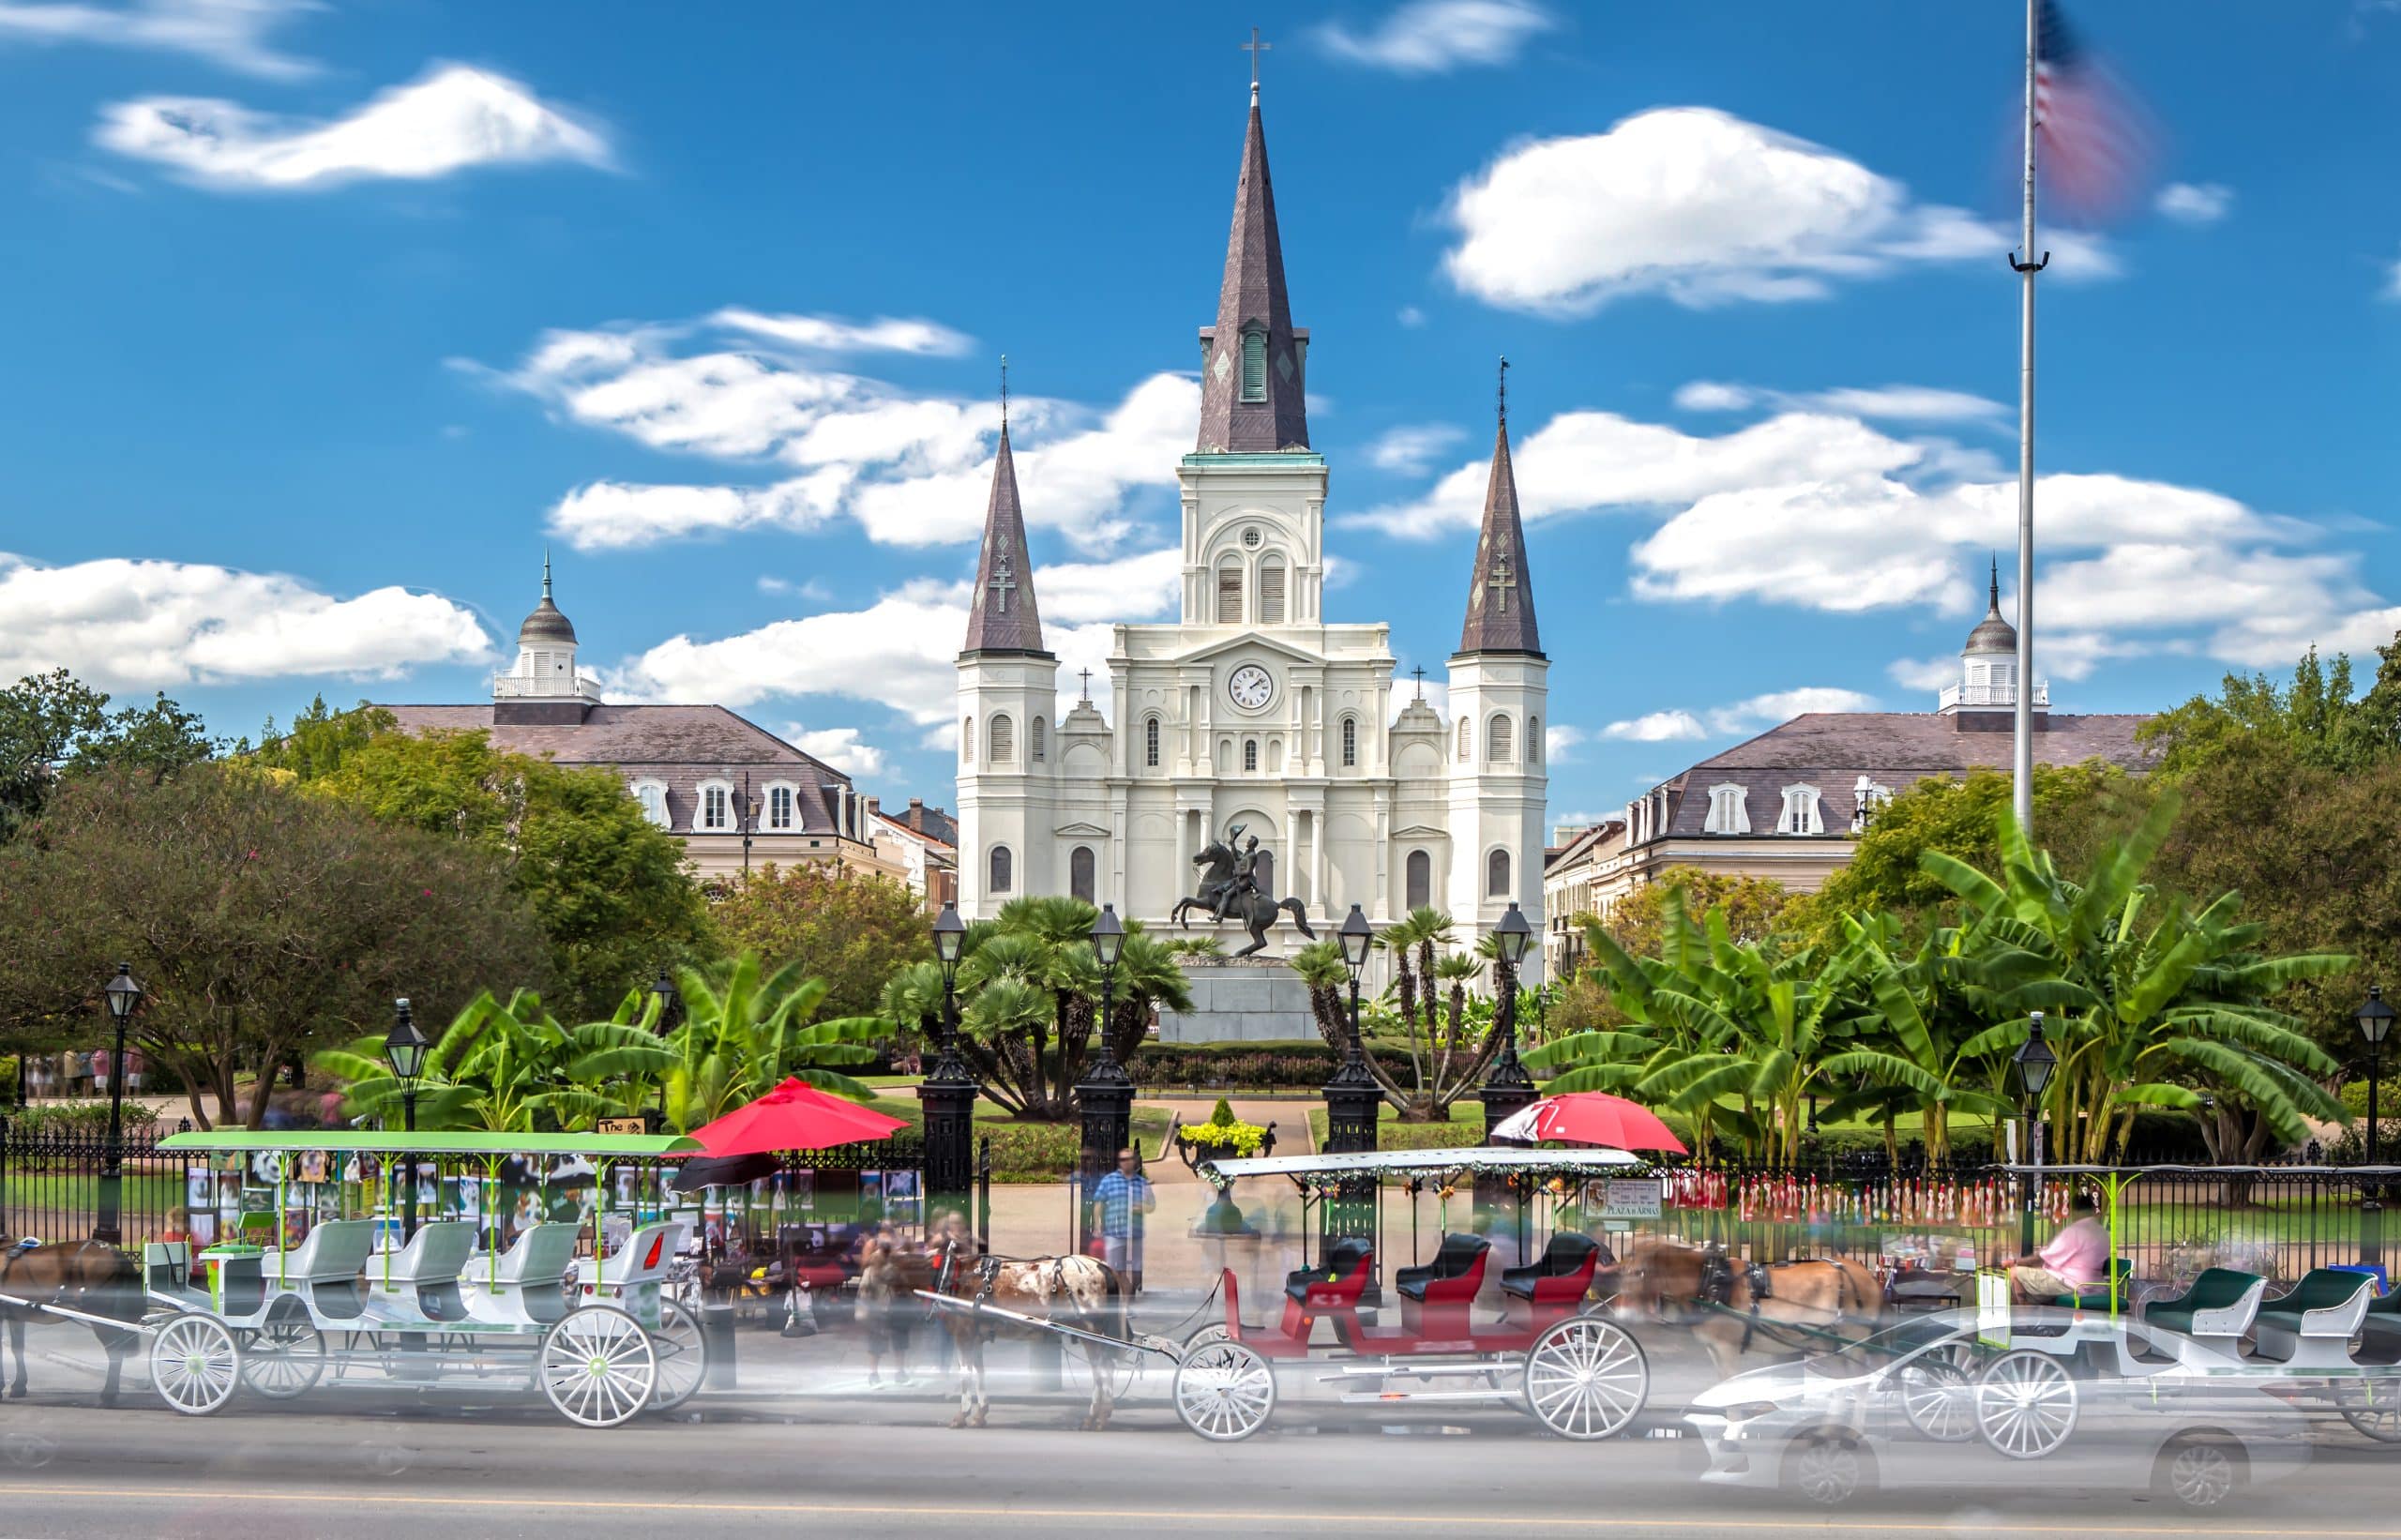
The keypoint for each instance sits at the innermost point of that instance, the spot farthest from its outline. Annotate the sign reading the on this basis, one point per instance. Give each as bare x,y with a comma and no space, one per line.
623,1125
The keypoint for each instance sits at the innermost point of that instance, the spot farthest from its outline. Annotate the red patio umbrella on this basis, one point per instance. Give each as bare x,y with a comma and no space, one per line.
1590,1117
793,1116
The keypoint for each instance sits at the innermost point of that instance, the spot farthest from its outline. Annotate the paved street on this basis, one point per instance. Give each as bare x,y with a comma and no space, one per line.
372,1467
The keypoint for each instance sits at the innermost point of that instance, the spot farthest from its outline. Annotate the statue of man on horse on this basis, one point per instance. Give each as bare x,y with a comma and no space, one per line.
1229,889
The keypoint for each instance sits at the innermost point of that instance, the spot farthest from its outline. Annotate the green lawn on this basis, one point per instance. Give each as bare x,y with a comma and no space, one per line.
1464,1127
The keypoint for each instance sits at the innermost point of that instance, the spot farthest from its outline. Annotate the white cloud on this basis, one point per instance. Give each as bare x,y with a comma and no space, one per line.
1559,744
2392,282
232,34
1892,402
898,653
1412,451
1657,727
454,119
130,623
1924,672
2191,203
831,334
1714,396
1436,36
1703,207
1410,316
1130,588
807,588
910,470
840,747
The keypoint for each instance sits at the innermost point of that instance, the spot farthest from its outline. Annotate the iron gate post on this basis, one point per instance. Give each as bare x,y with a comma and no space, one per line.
948,1096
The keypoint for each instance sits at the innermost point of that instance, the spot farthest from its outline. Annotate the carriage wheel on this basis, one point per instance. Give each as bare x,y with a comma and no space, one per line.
1202,1336
1225,1392
683,1356
284,1357
194,1363
1937,1399
597,1367
2373,1409
2026,1404
1586,1377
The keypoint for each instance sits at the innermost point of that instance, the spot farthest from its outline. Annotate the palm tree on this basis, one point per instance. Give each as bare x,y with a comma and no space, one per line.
1321,968
498,1068
2142,995
742,1035
1145,980
1924,1018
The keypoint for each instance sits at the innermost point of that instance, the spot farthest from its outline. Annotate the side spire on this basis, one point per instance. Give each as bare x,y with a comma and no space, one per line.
1002,616
1254,361
1501,590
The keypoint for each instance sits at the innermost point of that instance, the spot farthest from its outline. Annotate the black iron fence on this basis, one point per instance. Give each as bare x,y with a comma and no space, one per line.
51,1182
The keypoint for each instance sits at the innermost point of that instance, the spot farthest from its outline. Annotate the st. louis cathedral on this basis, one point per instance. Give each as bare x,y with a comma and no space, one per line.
1251,709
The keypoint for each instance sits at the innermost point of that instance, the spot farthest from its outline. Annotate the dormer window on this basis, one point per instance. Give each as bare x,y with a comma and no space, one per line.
1254,366
1728,811
1800,815
782,807
652,794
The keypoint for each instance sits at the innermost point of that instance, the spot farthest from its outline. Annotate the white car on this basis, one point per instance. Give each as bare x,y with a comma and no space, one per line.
1931,1401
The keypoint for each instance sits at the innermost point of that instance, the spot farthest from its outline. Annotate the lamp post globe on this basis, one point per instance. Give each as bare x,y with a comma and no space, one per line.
663,991
2375,1019
121,994
404,1049
948,1090
1105,1093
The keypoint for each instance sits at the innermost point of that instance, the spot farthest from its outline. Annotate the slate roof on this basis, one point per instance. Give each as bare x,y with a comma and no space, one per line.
1501,590
1251,295
1831,750
1001,616
934,823
678,745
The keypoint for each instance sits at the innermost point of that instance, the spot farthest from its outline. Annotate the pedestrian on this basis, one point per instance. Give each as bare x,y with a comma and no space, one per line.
1121,1198
883,1286
134,1068
2077,1255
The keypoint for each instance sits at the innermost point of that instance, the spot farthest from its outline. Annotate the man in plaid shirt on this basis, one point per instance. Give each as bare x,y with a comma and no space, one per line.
1121,1198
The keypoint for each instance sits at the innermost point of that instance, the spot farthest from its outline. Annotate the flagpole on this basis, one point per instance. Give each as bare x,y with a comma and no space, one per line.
2021,754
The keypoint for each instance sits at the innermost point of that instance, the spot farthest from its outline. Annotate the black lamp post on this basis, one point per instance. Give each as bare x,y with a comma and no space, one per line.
747,814
670,1002
1507,1087
2034,1062
2375,1018
122,994
1105,1095
947,1092
404,1049
1351,1095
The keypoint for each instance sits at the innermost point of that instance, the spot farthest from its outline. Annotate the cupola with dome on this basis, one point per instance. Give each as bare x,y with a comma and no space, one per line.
1985,697
543,685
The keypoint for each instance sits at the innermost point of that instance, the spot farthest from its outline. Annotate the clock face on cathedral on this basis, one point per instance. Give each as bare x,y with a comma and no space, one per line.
1250,687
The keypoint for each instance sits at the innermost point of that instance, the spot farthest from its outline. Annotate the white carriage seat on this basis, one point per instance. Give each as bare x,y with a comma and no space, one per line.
528,1281
630,1276
424,1274
324,1269
166,1273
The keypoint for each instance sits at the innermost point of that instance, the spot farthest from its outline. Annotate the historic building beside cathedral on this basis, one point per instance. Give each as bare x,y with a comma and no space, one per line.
1252,709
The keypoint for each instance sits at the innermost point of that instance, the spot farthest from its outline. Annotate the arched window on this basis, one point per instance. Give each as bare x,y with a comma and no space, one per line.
1350,741
1080,872
1271,591
1041,745
966,740
1534,740
1498,749
1800,815
1421,879
1496,875
1262,871
782,808
1275,756
1224,756
715,805
1151,742
1002,874
1229,592
1004,741
652,795
1466,740
1250,754
1254,366
1730,810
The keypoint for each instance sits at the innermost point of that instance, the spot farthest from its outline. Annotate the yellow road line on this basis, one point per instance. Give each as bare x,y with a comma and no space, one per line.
1217,1519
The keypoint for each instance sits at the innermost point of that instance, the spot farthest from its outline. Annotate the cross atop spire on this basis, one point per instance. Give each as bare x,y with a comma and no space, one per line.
1005,393
1254,48
1002,616
1254,361
1501,592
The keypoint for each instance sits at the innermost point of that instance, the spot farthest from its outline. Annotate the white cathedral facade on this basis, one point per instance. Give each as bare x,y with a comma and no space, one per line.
1251,709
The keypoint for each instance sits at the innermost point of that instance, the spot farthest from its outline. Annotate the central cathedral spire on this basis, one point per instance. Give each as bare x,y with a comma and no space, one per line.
1254,361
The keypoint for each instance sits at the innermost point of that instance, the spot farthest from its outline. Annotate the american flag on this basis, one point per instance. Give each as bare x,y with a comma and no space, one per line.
2091,145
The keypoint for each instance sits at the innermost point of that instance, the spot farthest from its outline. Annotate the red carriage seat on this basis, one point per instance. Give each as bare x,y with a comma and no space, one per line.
1338,1282
1454,1275
1561,1276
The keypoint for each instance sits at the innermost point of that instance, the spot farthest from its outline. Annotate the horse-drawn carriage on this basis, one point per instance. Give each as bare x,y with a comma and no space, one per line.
448,1304
1578,1373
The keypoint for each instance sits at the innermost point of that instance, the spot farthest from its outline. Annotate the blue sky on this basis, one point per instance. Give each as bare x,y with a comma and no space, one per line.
323,319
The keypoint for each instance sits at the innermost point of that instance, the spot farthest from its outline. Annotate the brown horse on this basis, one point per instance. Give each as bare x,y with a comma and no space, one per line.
1730,1304
91,1276
1081,1291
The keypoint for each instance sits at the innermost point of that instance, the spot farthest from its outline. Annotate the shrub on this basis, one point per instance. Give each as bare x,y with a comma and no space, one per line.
82,1117
1228,1138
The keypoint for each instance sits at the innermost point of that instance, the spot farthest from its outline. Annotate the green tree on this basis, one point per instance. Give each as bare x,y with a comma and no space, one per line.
1753,905
2149,1004
2314,716
612,891
512,1068
849,929
258,920
320,738
745,1032
1919,1015
54,727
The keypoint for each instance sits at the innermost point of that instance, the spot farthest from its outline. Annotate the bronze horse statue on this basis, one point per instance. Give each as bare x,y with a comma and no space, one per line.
1239,899
90,1277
